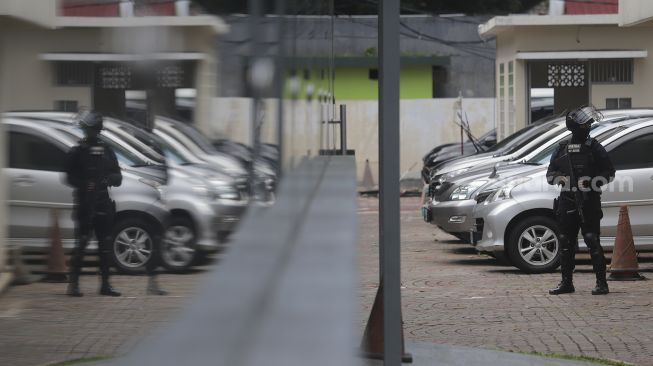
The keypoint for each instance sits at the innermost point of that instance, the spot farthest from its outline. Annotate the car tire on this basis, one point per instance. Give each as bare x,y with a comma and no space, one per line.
132,243
533,245
178,253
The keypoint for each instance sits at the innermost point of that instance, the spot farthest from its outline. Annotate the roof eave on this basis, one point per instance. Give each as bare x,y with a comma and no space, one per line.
216,24
499,24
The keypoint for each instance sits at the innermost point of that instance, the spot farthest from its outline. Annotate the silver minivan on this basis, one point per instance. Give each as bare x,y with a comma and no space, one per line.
192,200
37,187
450,206
518,211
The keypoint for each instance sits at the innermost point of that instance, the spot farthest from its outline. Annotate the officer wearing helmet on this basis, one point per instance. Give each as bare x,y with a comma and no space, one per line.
91,168
580,167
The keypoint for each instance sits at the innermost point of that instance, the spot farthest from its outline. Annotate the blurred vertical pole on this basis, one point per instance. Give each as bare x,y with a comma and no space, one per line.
389,224
254,10
280,80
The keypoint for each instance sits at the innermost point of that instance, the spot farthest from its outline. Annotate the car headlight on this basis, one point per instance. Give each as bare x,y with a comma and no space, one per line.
505,191
465,192
226,192
156,185
456,173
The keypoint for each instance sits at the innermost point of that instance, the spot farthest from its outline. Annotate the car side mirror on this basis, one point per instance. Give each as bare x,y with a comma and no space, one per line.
490,142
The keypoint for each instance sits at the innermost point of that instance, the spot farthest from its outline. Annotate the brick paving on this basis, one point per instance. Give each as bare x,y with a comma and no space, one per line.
40,325
451,295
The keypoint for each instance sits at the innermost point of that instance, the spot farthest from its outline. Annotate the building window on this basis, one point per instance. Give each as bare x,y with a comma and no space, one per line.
65,105
612,71
501,131
73,73
618,103
373,74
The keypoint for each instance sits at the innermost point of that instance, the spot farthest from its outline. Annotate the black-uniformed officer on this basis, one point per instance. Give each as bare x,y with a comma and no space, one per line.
580,166
92,168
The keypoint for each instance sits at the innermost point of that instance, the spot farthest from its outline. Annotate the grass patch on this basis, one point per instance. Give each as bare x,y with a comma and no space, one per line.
602,361
78,361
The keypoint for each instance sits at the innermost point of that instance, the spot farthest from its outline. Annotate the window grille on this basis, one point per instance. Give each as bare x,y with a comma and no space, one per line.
612,71
565,75
65,105
73,73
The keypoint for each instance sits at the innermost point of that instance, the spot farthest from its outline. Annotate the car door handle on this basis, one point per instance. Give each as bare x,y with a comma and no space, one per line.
24,180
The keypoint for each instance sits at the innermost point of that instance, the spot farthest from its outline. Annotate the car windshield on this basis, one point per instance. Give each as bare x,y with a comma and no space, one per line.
501,145
527,138
169,151
123,155
545,155
173,155
196,136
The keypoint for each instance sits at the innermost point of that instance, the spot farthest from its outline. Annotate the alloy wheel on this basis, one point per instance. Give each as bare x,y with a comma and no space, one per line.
133,247
538,245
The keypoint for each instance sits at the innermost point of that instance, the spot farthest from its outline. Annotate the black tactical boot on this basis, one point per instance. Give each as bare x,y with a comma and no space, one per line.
75,270
153,287
601,288
107,290
598,264
73,288
565,286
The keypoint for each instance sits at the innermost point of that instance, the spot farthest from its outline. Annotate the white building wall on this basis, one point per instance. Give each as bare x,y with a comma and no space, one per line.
425,123
576,38
633,12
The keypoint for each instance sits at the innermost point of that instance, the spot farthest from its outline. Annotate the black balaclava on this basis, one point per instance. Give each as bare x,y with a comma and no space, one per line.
578,122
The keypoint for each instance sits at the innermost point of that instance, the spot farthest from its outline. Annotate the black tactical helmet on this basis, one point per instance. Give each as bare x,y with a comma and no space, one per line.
90,120
582,117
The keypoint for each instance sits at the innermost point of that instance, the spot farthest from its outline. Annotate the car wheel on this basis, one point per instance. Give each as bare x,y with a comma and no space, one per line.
178,247
534,246
132,242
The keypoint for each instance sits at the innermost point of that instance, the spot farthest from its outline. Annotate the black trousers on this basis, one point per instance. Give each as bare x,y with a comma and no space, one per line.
570,223
96,219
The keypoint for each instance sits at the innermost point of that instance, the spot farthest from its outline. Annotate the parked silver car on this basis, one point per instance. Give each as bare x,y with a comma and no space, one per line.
197,144
197,201
451,205
515,212
37,186
516,146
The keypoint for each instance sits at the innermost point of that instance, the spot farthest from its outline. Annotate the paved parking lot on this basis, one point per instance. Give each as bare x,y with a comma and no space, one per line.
40,325
453,296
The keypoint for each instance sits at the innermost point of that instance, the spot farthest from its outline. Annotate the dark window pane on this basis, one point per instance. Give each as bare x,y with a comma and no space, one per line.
625,103
634,154
32,152
611,103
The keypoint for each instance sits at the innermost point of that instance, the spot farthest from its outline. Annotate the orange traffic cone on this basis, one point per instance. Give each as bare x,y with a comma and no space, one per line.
372,345
56,271
368,180
623,266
